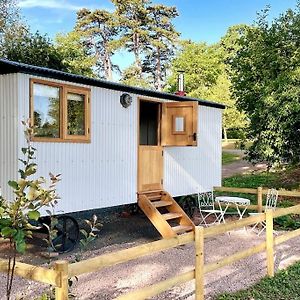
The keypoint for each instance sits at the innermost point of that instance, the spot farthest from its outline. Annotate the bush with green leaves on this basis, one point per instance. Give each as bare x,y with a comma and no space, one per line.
31,194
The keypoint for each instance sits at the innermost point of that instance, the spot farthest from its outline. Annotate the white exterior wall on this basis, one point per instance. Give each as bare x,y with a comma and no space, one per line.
104,172
99,174
8,131
191,169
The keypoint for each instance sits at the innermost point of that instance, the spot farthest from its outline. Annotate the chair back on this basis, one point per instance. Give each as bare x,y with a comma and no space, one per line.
271,201
206,200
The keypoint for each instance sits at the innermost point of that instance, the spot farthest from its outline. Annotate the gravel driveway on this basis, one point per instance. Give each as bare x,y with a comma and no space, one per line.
111,282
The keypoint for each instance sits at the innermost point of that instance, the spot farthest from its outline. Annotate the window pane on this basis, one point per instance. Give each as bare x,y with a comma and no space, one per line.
76,114
179,124
46,106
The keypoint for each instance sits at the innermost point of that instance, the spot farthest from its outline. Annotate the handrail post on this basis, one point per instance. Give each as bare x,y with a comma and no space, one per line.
199,263
62,291
269,242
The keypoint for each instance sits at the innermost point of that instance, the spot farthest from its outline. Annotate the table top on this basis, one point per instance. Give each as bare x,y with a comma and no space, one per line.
237,200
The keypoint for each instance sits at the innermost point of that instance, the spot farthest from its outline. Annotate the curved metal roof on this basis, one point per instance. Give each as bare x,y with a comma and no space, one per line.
7,66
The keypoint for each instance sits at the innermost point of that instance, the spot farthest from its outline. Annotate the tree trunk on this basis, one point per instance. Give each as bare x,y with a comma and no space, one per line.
136,50
225,134
108,67
158,72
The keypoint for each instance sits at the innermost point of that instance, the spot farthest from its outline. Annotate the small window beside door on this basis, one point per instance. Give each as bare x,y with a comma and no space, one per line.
59,113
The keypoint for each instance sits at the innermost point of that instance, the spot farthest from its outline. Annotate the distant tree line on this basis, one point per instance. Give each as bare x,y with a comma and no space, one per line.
253,70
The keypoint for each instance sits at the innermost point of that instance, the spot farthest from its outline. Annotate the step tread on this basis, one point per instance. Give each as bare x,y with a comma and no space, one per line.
182,229
150,192
169,216
162,203
154,197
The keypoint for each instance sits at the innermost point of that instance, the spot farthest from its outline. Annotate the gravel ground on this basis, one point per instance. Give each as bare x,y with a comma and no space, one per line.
111,282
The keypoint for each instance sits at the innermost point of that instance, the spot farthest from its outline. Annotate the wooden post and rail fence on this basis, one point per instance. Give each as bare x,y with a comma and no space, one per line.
58,275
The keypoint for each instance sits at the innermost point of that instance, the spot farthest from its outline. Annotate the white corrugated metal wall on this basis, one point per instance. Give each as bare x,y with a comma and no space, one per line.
191,169
8,131
104,172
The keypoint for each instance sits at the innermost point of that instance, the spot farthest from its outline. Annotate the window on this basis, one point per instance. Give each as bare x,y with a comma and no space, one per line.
60,113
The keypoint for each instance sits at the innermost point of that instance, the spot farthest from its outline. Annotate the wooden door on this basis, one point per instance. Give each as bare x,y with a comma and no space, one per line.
179,123
150,168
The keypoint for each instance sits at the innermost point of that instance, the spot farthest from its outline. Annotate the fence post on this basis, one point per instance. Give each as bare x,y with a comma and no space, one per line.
259,200
269,242
199,263
61,292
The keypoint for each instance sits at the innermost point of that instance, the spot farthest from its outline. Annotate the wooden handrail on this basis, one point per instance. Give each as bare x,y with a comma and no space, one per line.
110,259
222,228
254,191
31,272
62,271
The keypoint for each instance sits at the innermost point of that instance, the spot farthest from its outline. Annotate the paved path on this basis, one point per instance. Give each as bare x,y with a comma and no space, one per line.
240,166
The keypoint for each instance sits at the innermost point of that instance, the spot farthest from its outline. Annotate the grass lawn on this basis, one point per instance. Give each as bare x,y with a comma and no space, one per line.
286,179
284,286
228,158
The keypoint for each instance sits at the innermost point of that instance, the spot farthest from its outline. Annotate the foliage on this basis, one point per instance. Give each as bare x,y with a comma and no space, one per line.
133,19
99,30
161,44
265,79
206,77
10,21
228,158
200,63
90,235
35,49
284,285
74,54
30,196
265,179
131,76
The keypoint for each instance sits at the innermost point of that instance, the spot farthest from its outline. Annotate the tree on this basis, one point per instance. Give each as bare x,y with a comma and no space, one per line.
99,29
265,78
161,43
133,17
206,77
131,76
16,216
10,21
200,63
35,49
71,48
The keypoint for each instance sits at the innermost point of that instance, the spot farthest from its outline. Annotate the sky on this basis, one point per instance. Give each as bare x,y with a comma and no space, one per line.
199,20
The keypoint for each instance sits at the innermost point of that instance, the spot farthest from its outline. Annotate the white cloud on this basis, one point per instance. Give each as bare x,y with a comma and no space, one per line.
55,4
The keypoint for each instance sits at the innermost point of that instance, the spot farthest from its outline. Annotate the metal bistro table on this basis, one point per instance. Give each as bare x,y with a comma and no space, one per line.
237,201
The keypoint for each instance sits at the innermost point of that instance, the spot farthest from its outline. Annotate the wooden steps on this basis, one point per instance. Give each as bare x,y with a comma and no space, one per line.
165,213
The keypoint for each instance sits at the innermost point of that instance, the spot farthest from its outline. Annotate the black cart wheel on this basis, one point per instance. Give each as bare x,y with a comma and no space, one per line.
188,204
67,234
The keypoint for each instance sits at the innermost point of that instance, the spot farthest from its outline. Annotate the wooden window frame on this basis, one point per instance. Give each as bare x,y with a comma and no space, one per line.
64,89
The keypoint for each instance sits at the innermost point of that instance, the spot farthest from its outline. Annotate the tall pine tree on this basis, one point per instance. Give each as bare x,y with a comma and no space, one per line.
161,43
133,15
99,30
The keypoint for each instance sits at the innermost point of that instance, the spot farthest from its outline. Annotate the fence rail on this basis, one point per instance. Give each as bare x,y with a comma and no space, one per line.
58,275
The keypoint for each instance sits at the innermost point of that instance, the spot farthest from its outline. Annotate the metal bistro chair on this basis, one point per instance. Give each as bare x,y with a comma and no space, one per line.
207,208
271,203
